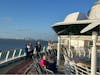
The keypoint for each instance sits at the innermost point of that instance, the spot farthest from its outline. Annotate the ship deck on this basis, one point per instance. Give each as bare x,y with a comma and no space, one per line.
15,67
20,66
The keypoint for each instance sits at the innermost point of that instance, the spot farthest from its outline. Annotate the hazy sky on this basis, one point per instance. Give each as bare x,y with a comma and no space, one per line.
33,18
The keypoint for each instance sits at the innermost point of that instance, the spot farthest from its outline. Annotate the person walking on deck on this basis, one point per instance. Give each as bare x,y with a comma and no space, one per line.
51,48
38,48
29,50
26,51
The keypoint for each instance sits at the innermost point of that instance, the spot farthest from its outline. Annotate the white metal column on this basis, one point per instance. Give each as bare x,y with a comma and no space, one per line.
7,55
0,54
69,46
93,55
58,51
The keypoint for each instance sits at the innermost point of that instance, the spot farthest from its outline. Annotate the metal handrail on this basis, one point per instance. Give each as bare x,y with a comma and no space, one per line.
78,70
6,56
88,71
12,54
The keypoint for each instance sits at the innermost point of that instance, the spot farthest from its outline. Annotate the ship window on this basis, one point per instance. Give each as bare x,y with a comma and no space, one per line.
62,40
91,43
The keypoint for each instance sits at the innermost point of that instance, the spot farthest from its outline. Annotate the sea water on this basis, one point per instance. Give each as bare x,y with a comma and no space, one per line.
6,44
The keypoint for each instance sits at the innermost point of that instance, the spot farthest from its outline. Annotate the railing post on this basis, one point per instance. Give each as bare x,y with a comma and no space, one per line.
89,53
13,54
0,54
79,52
7,55
71,53
84,52
58,51
20,52
44,49
69,46
76,51
25,53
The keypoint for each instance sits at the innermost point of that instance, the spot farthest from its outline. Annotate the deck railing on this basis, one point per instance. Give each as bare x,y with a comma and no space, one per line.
83,70
80,53
9,55
73,69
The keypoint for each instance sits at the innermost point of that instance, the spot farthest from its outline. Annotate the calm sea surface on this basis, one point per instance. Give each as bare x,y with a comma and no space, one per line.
12,43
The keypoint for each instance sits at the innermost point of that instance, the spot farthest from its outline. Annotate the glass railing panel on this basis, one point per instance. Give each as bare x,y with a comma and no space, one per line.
17,53
23,51
3,56
10,54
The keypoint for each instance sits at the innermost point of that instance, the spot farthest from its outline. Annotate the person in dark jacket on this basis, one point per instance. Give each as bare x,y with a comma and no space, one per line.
26,51
51,64
38,48
29,50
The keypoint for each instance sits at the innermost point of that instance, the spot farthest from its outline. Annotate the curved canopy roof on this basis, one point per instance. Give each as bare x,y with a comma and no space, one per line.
94,12
78,18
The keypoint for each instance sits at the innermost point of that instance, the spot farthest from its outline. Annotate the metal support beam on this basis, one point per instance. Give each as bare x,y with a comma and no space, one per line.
58,51
93,55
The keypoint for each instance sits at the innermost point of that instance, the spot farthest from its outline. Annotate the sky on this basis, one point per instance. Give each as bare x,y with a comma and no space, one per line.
34,18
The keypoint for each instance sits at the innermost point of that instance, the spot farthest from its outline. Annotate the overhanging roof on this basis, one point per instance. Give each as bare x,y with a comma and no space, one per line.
66,29
75,22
